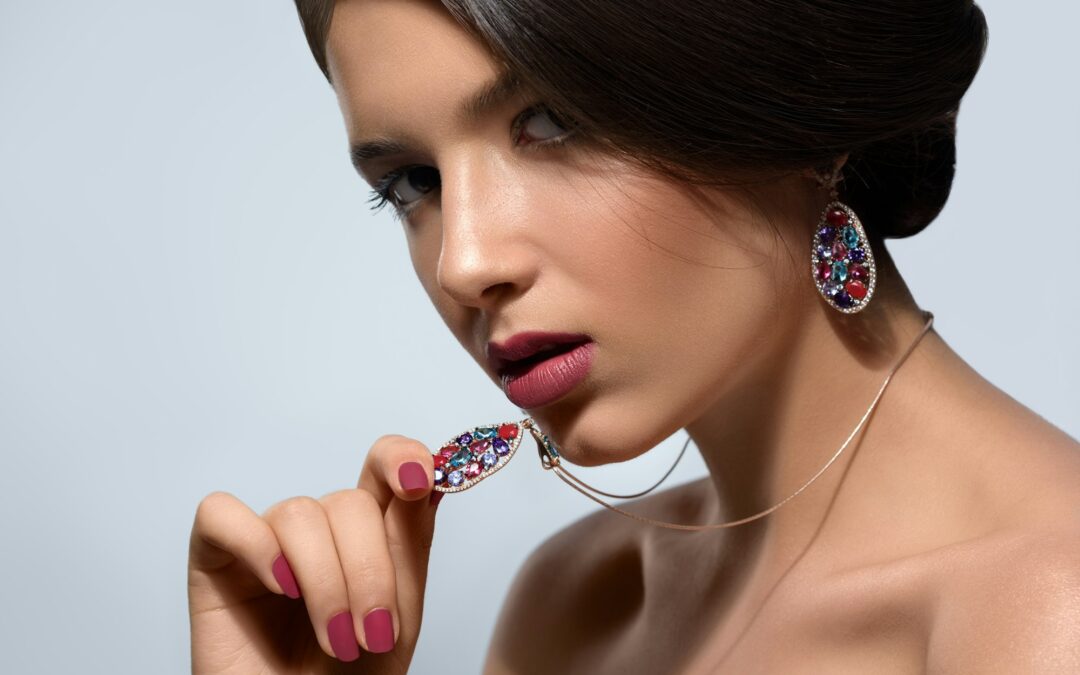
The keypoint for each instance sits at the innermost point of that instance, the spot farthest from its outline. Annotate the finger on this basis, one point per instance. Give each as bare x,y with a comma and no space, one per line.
397,466
410,528
226,529
301,526
356,522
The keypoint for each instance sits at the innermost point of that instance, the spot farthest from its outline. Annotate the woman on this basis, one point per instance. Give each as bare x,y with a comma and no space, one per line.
655,182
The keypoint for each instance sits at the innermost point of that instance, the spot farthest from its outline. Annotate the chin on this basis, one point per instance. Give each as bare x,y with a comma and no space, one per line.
594,435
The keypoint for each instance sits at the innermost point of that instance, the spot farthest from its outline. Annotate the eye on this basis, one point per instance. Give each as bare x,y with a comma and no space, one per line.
400,187
549,124
405,187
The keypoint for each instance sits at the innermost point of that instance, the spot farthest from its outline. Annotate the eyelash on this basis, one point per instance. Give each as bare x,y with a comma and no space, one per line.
380,194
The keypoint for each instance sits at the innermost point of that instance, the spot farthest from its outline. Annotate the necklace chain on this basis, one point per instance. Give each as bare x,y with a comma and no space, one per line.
551,460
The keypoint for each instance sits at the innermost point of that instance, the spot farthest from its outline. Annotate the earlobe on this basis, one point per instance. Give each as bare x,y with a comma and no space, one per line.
829,174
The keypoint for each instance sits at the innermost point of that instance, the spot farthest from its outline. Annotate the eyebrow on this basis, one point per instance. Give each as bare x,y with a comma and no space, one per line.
491,95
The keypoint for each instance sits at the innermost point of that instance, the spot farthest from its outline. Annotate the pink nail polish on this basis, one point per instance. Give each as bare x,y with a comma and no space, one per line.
284,575
379,630
343,637
412,476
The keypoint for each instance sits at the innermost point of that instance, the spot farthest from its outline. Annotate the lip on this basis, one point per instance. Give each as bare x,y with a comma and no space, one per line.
544,382
523,345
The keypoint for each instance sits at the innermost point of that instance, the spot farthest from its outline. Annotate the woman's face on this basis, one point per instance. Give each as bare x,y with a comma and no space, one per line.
686,295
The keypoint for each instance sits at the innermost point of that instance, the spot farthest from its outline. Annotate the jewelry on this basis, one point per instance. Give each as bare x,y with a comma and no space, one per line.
841,260
476,454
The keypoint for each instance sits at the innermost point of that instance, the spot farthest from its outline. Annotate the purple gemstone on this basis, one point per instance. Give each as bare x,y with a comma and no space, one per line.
856,255
843,299
824,252
826,233
440,475
501,446
464,439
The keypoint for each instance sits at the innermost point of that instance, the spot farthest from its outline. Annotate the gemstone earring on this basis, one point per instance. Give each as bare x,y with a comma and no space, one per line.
841,260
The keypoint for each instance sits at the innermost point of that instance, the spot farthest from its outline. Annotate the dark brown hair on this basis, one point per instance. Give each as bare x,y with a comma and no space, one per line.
698,89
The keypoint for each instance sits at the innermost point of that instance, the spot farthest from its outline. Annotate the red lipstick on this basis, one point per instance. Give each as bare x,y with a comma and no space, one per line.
539,368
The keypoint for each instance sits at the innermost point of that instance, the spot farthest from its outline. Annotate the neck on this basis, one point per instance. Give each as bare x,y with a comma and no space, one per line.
764,440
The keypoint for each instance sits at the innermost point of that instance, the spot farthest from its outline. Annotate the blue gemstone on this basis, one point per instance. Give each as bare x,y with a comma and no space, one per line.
460,458
464,439
500,446
440,475
485,432
550,444
855,255
824,252
843,299
839,271
851,237
456,478
826,233
489,459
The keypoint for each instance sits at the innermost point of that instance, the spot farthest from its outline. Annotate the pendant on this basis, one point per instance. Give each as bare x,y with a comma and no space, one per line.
473,455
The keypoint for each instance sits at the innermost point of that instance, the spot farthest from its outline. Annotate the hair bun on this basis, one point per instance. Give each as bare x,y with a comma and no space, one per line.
899,184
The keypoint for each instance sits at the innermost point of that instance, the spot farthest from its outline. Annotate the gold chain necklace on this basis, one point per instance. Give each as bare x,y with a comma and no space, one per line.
478,453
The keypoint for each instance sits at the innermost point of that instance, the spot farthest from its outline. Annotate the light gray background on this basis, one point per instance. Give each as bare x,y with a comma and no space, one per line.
194,296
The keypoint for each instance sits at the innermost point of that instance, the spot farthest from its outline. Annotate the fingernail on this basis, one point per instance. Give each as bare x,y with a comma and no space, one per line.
379,630
412,476
435,497
342,637
283,574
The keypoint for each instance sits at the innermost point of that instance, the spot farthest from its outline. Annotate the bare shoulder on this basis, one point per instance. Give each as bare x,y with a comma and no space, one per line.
1009,601
583,575
1012,604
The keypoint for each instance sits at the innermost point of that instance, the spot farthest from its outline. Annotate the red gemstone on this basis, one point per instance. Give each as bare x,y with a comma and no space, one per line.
449,451
472,470
508,432
480,447
837,217
857,272
838,251
439,460
824,271
855,289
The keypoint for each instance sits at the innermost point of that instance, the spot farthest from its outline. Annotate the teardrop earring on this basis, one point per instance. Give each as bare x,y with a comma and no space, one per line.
841,261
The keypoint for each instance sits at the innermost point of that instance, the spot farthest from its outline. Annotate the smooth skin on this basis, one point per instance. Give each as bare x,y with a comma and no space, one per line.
945,539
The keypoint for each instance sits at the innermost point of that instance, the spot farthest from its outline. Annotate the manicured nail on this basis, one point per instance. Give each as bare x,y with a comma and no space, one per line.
435,497
412,476
342,637
379,630
283,574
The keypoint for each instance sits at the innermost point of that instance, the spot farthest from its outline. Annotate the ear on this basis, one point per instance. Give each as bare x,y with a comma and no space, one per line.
827,175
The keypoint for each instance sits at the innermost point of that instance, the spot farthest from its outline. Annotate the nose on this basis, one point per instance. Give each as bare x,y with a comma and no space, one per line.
486,256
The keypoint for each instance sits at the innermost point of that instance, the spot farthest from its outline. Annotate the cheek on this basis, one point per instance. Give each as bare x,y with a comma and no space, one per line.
687,303
671,274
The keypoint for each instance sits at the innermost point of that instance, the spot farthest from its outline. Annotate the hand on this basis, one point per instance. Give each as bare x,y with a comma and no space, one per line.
334,585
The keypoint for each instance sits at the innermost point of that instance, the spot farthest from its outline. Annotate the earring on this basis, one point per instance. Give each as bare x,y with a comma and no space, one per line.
841,260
